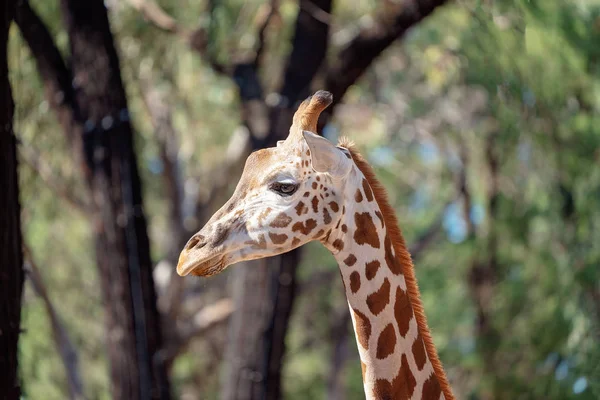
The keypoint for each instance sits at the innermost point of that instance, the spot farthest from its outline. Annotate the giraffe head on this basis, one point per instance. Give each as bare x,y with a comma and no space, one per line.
287,196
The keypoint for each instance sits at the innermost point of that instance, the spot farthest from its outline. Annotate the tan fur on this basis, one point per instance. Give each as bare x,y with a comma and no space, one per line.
403,256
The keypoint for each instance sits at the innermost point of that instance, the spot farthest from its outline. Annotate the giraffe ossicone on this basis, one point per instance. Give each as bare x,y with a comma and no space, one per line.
306,189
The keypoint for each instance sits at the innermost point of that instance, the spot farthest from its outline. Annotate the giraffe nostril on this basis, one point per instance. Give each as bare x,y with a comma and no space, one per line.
195,241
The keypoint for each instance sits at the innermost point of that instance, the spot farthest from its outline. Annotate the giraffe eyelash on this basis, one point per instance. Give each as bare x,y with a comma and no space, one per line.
284,188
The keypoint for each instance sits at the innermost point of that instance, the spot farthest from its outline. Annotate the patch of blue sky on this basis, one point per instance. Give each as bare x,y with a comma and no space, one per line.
454,224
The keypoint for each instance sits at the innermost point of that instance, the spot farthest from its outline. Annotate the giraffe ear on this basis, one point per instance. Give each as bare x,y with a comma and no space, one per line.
326,157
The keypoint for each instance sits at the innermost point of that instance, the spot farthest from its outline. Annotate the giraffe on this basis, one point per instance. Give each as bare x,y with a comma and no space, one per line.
306,189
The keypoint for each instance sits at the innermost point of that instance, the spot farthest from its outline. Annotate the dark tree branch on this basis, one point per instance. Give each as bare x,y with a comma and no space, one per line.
11,256
369,43
57,78
66,349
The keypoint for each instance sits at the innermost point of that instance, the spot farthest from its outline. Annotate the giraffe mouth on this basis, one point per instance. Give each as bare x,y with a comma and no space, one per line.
206,268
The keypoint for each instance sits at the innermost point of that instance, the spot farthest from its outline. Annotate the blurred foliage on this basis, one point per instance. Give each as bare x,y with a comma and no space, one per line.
519,74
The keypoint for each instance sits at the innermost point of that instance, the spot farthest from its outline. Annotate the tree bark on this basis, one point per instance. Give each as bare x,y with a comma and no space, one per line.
11,256
121,240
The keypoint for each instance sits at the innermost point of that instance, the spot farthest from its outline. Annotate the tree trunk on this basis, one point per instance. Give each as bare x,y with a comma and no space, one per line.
11,256
121,240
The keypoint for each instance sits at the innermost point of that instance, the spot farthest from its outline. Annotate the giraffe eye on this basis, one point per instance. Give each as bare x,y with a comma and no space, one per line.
284,188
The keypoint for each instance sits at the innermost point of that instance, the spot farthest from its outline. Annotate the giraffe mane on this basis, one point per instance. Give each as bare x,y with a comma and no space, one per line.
404,258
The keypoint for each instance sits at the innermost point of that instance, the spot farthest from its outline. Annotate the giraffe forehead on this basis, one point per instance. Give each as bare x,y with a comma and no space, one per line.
263,164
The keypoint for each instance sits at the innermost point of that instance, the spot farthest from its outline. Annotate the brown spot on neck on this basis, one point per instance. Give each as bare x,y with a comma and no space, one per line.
402,311
338,244
400,388
378,300
431,388
358,197
386,343
418,350
350,260
367,189
371,269
354,281
378,213
365,230
391,261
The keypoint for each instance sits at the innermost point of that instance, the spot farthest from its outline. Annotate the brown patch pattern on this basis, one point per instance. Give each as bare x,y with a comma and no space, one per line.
418,351
334,206
371,269
295,241
402,387
378,213
350,260
278,238
305,227
391,261
354,281
358,197
326,216
386,343
363,328
315,204
365,230
367,189
378,300
338,244
402,311
301,208
281,221
431,388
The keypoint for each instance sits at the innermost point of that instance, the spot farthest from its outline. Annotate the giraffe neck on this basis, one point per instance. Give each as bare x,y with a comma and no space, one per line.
395,361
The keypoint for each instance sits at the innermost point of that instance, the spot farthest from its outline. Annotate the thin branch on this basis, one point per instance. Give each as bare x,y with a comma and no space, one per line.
54,183
262,31
67,351
157,16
